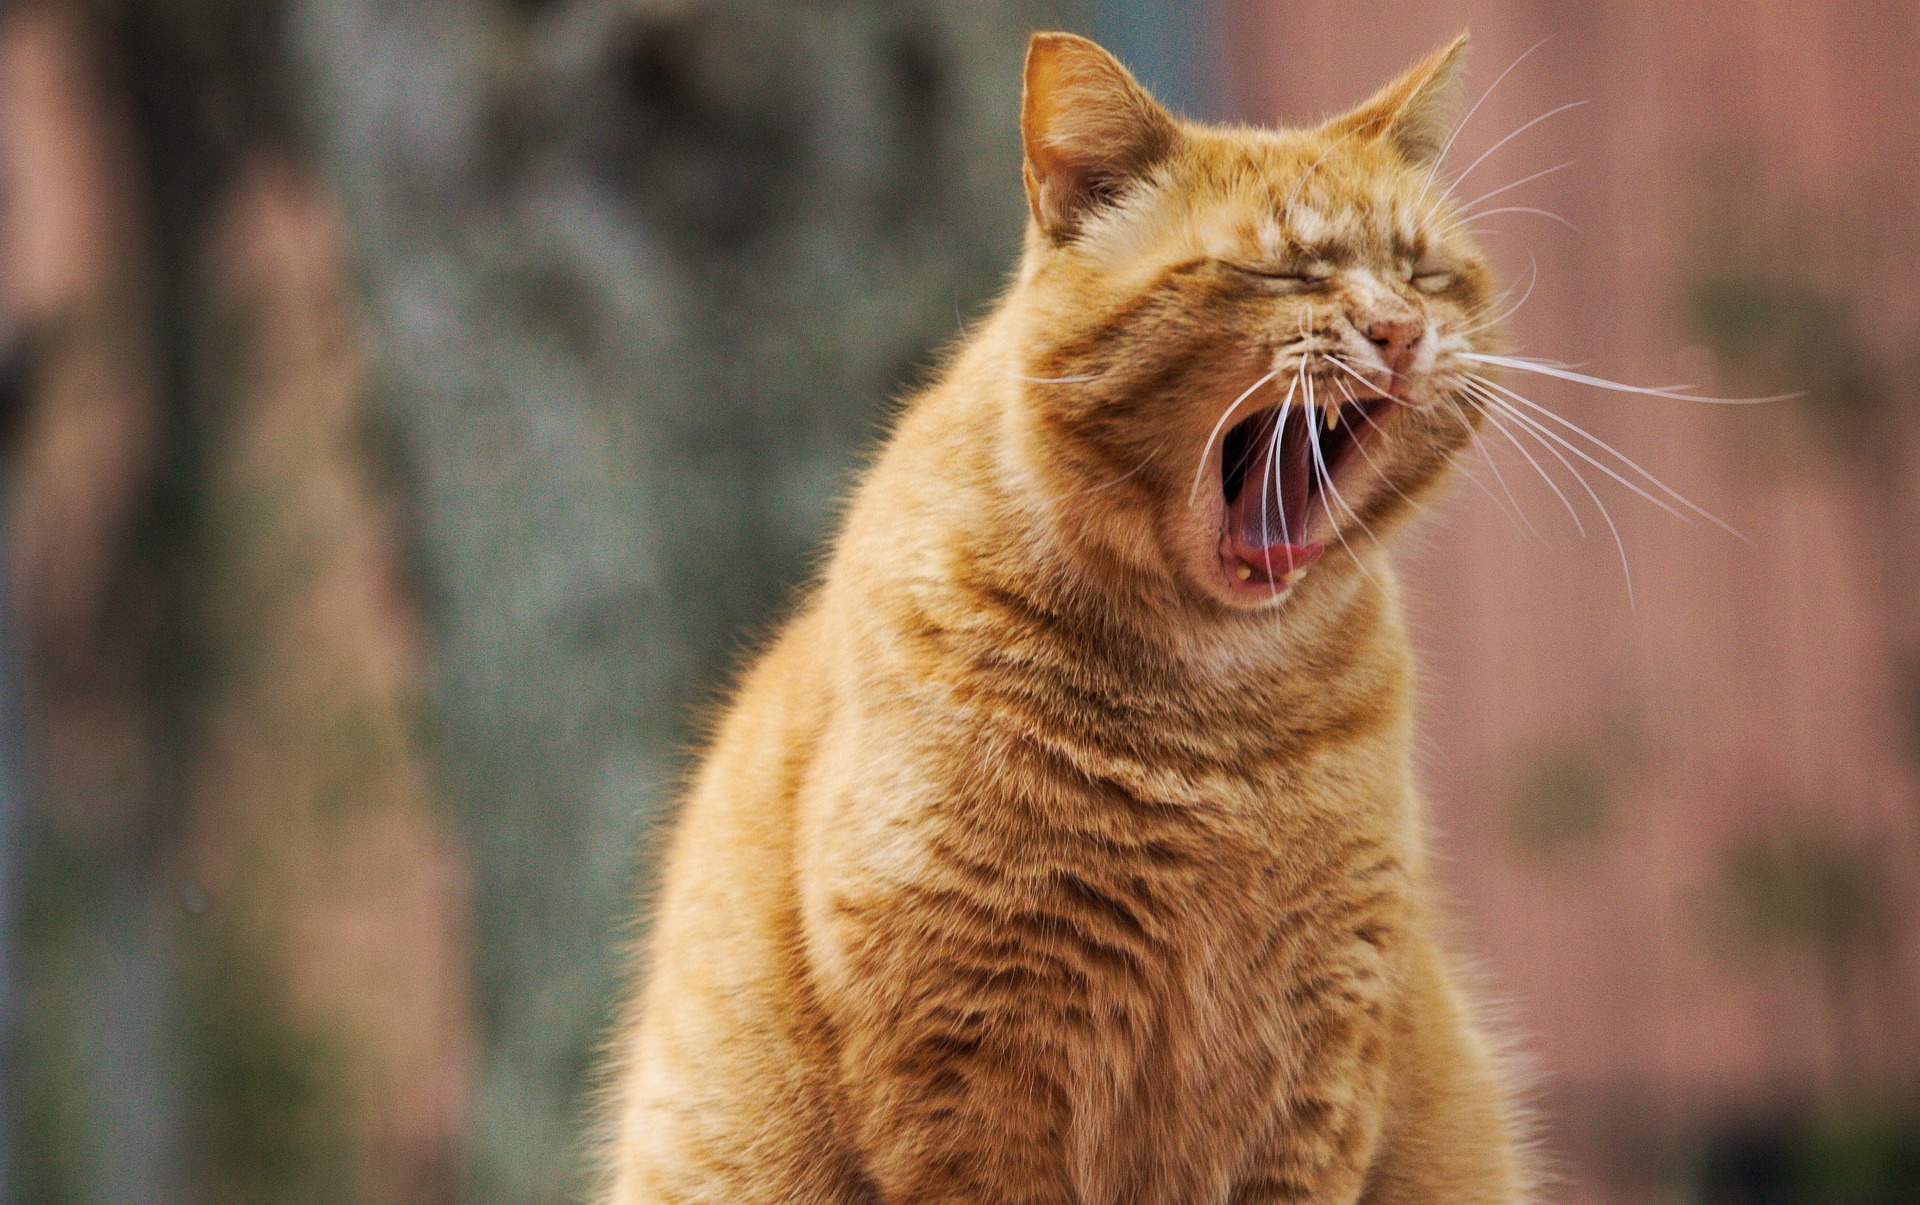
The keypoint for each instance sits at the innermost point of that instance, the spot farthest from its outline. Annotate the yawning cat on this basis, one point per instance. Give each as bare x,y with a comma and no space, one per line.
1064,848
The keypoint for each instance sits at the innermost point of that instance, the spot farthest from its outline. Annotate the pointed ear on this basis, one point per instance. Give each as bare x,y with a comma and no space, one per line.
1414,112
1088,129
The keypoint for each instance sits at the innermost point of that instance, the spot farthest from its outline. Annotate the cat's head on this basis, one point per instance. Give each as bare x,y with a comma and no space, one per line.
1238,348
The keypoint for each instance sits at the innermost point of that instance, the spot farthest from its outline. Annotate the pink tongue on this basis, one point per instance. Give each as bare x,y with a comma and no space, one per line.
1271,511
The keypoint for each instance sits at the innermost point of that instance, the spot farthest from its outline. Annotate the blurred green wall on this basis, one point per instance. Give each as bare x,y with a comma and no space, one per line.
646,276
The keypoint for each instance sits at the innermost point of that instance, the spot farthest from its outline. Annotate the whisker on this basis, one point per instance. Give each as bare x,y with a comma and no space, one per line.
1206,452
1266,494
1273,473
1486,454
1533,277
1362,447
1349,369
1506,513
1537,427
1620,545
1537,467
1303,383
1580,378
1572,104
1514,516
1709,516
1441,158
1488,196
1538,212
1328,489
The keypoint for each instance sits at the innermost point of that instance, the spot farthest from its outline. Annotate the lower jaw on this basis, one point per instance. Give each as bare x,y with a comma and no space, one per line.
1267,571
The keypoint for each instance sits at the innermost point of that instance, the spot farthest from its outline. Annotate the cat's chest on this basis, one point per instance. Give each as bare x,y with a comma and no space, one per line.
1190,917
1166,959
1258,956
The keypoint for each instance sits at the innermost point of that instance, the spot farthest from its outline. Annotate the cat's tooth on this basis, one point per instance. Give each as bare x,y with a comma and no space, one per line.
1243,572
1333,416
1294,576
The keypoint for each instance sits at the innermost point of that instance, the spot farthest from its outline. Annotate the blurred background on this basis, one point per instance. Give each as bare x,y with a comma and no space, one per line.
408,413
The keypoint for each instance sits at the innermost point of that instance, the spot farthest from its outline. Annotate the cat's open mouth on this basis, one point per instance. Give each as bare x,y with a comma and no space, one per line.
1279,483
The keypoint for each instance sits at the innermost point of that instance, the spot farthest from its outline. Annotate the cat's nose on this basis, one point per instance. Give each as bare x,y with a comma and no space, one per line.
1397,338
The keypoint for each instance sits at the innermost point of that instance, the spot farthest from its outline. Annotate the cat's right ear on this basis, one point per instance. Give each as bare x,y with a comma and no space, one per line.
1088,128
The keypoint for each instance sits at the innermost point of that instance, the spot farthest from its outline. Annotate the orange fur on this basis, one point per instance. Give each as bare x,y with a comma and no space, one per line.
1045,857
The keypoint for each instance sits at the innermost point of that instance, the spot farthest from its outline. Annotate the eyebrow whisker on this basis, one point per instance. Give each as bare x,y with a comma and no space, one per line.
1441,158
1488,196
1553,112
1470,219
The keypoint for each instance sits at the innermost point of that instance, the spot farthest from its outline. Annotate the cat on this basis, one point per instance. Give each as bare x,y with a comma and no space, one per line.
1064,846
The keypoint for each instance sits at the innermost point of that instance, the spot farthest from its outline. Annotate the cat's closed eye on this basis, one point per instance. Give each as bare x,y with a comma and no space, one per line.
1433,282
1293,279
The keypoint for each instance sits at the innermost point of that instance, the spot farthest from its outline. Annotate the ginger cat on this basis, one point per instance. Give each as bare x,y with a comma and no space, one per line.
1064,847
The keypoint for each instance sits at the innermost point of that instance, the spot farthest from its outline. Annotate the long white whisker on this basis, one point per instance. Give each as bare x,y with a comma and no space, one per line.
1349,369
1361,447
1709,516
1549,214
1486,454
1206,452
1279,429
1441,158
1498,502
1620,545
1273,477
1536,426
1572,104
1533,277
1513,517
1537,467
1580,378
1488,196
1327,486
1266,494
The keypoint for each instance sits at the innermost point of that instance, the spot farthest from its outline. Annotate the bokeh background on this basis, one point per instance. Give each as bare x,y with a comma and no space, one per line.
409,411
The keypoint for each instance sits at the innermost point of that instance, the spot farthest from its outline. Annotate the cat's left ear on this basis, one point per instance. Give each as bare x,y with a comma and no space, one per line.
1089,130
1414,112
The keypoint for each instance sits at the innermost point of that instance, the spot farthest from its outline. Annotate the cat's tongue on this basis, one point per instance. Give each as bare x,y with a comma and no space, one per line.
1267,521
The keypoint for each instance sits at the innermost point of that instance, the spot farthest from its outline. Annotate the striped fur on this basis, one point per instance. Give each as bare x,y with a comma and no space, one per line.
1033,862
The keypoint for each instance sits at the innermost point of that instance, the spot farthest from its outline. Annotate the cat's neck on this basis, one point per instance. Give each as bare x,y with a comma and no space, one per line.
956,525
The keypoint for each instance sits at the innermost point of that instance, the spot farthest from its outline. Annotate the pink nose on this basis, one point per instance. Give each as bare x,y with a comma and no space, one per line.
1397,339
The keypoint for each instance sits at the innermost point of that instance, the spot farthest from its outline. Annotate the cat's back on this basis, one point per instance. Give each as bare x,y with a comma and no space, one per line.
725,1030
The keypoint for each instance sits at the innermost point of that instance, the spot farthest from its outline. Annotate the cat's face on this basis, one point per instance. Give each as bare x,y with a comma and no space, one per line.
1241,346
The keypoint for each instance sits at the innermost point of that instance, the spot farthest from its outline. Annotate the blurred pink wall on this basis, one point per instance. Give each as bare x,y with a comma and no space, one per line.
1752,693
